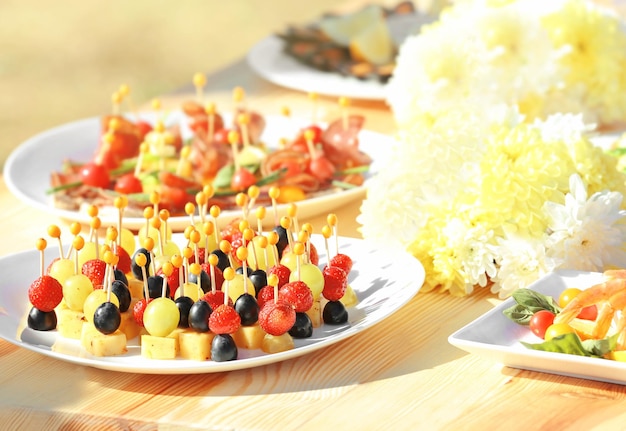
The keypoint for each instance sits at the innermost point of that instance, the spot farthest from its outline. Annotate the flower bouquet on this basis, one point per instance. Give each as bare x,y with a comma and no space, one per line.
493,180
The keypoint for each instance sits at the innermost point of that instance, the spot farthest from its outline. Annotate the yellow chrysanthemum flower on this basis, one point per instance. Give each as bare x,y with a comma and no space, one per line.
545,57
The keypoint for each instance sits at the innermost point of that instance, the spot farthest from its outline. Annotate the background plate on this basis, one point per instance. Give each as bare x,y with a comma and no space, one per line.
497,338
384,280
269,61
27,170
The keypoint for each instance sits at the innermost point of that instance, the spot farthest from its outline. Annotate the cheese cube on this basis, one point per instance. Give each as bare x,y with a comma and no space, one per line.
99,344
195,345
249,337
159,347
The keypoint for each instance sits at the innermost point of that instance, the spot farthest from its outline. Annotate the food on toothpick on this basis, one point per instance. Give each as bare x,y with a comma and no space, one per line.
223,322
168,315
317,160
161,318
44,294
276,317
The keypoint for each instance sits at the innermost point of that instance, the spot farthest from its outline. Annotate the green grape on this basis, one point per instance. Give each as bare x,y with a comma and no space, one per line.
235,288
160,260
86,253
152,233
76,289
128,241
62,269
260,254
289,259
170,249
191,290
94,300
161,317
202,243
312,276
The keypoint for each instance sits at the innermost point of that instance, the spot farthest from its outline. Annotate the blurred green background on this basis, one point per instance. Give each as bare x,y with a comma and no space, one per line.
61,60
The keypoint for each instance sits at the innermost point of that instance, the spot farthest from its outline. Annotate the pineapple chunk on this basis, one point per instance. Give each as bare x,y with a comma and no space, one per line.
70,322
128,325
195,345
277,343
315,314
159,347
249,337
136,288
349,298
99,344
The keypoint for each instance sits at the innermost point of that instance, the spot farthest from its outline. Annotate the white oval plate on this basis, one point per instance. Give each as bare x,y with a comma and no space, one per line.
497,338
28,168
384,280
269,61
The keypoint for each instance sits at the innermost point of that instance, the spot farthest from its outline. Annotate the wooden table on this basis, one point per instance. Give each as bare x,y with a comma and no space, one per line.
400,374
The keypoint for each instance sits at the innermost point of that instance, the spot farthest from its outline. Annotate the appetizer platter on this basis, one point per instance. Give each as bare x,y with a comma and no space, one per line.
128,314
58,171
571,352
349,54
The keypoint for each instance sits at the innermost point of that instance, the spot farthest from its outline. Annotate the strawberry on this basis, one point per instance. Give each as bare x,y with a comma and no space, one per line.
231,231
282,272
277,318
265,295
235,244
138,309
173,280
201,252
342,261
335,283
124,262
215,299
45,293
224,320
298,294
94,270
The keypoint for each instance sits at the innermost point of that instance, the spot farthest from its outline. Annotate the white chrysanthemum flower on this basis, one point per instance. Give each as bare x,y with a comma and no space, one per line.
586,234
474,250
545,57
569,128
521,262
429,163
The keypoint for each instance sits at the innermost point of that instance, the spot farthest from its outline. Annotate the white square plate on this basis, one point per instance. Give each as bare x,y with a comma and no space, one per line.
496,337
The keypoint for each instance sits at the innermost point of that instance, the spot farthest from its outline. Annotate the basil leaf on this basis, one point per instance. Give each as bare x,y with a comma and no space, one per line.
528,303
535,300
571,344
519,314
223,177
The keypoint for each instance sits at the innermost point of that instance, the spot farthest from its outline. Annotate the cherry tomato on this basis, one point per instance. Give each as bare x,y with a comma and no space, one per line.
109,159
540,322
587,313
557,329
567,295
143,128
95,175
317,133
292,168
128,184
242,179
322,168
300,144
221,136
173,197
